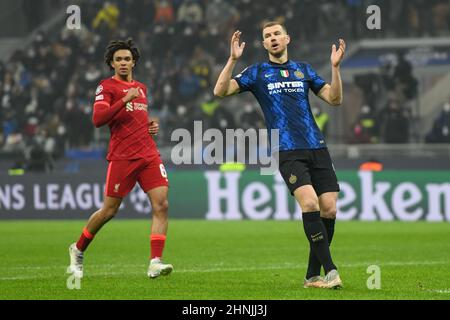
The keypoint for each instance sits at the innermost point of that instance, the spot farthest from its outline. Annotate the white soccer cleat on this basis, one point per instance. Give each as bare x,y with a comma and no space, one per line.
314,282
76,261
332,280
158,268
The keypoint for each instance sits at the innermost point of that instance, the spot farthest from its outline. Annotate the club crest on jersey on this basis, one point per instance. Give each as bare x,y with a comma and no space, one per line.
299,74
116,187
99,90
284,73
292,179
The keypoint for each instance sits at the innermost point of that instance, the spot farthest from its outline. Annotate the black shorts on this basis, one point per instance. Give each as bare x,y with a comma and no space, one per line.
308,167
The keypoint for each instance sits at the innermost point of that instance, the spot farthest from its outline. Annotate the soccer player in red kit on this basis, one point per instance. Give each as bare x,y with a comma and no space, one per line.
121,103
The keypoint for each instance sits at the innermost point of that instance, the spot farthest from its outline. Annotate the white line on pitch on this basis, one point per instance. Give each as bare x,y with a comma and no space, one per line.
200,269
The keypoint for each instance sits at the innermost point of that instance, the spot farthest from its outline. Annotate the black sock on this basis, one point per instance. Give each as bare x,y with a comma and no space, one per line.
313,262
318,238
329,225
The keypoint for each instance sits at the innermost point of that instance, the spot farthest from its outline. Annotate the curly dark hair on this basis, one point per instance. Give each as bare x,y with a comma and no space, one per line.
116,45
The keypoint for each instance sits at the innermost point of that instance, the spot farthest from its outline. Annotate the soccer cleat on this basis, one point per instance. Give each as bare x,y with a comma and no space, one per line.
158,268
314,282
332,280
76,261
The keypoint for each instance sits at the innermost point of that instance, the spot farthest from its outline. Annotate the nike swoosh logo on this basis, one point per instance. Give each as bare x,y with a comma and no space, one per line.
315,235
268,75
125,90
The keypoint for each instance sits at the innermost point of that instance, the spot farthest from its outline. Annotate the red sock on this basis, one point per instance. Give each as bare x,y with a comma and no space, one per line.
85,238
157,242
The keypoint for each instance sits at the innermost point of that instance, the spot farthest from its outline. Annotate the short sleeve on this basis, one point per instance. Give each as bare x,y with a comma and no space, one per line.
103,95
317,82
247,78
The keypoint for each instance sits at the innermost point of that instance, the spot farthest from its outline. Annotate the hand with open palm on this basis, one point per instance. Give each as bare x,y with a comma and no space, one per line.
236,48
337,55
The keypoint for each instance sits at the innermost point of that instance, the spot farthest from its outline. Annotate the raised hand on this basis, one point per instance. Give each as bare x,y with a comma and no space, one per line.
337,55
236,48
132,94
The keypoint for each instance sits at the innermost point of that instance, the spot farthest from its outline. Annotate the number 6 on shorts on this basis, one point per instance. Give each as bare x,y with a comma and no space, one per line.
163,171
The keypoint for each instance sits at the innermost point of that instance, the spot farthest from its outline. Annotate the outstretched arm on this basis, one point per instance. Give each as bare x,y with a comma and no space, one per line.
332,94
226,86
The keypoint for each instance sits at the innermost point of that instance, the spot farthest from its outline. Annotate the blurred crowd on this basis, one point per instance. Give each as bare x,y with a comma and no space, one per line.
388,96
46,90
389,110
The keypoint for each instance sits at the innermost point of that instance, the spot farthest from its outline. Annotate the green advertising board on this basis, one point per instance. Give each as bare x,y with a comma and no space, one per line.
232,195
388,195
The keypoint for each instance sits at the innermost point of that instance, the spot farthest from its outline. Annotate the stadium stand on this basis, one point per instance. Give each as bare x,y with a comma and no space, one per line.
46,87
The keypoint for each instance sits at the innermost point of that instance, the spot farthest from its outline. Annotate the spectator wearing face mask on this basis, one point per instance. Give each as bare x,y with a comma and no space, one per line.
364,129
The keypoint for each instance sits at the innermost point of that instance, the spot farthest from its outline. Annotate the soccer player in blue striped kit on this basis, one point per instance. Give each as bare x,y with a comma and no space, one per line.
281,87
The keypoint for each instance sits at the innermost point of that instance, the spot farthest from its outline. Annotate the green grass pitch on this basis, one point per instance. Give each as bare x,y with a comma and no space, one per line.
224,260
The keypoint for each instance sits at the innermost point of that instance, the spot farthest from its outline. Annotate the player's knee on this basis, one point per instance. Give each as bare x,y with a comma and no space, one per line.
161,206
329,212
310,205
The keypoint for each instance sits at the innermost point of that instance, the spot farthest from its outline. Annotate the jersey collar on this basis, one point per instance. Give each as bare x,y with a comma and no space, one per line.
123,82
279,64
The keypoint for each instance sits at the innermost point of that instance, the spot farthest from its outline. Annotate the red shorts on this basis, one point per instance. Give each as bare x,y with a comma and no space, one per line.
123,174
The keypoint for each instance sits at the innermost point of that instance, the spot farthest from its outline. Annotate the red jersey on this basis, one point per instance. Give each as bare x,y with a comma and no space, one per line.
129,125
